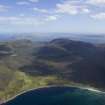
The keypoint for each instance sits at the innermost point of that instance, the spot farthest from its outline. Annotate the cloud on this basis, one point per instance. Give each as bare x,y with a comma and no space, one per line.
96,2
85,10
51,18
66,8
25,21
12,20
21,14
26,2
99,16
33,0
72,8
40,10
4,8
23,3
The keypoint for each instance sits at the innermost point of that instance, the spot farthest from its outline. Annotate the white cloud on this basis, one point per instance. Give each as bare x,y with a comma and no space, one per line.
25,21
96,2
26,2
51,18
72,8
66,8
22,15
20,20
23,3
85,10
33,0
40,10
3,8
99,16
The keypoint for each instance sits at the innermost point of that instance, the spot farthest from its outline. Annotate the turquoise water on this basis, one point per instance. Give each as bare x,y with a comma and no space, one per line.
59,96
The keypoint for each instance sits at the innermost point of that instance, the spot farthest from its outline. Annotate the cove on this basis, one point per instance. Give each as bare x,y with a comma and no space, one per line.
59,96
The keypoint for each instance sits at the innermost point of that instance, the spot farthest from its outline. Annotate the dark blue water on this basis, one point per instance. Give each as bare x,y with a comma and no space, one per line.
59,96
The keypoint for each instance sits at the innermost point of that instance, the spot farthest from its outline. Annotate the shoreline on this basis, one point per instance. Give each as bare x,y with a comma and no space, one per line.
79,87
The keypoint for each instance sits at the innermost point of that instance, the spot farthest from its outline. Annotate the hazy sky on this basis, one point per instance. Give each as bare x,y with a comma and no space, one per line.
78,16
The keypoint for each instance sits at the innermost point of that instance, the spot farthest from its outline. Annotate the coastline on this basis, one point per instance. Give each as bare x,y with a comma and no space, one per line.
79,87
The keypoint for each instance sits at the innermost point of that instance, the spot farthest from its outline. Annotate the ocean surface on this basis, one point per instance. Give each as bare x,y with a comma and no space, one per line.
59,96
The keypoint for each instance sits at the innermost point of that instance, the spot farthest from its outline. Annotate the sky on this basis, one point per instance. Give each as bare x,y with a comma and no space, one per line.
70,16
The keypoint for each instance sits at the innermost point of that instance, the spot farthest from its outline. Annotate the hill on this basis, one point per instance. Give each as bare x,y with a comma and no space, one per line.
72,60
25,65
